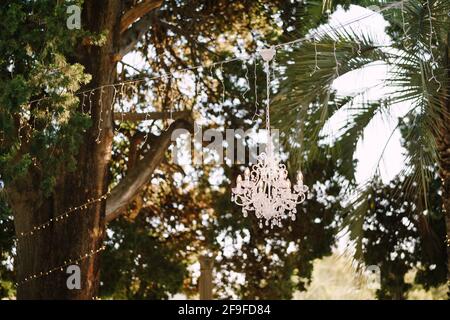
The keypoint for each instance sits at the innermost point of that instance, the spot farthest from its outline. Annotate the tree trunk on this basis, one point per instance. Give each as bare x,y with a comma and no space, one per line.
206,277
443,142
82,232
445,175
444,157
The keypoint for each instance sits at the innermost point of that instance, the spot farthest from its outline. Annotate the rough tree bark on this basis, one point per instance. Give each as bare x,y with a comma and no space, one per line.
84,231
130,185
444,155
443,142
206,277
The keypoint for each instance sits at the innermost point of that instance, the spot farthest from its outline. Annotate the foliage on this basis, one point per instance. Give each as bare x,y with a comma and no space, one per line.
416,61
34,52
222,99
401,235
7,273
276,263
181,214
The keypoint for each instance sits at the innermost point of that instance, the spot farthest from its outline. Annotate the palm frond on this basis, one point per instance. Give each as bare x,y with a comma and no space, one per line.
306,100
416,76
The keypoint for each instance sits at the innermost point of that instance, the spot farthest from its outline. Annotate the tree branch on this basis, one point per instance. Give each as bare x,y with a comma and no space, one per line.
141,172
141,116
131,36
138,11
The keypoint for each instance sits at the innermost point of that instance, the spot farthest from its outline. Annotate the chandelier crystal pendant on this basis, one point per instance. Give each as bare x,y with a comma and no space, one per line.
266,188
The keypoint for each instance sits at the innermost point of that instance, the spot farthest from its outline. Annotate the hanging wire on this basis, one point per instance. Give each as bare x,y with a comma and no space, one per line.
100,120
61,217
61,267
256,90
218,63
316,66
267,70
82,103
405,34
433,60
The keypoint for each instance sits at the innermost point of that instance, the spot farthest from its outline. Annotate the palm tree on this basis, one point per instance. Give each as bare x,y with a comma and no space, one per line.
418,63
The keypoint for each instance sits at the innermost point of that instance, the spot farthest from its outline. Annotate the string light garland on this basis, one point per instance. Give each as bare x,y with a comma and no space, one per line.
119,86
90,101
222,80
151,78
318,33
266,188
256,90
89,93
405,33
60,267
61,217
316,65
433,60
266,185
230,60
57,219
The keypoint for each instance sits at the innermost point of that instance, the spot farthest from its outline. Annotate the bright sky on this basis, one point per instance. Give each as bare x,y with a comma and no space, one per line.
381,133
377,136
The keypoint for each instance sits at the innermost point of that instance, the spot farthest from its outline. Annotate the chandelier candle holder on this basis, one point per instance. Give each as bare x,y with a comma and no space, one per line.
266,188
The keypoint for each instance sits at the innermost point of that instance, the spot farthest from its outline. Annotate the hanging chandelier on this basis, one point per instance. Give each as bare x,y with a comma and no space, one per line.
266,188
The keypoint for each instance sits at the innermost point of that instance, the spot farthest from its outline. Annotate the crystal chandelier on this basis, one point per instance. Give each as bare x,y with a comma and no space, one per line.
266,188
